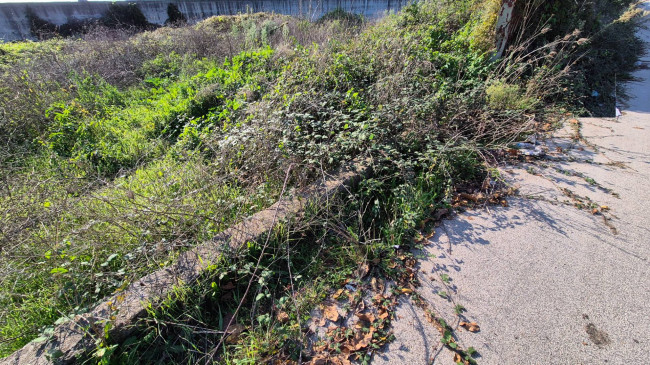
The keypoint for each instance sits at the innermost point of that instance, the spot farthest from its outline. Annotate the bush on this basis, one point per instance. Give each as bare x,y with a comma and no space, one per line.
174,16
502,96
125,16
342,16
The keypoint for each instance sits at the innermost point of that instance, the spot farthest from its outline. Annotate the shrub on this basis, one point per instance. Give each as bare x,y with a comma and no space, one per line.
174,16
502,96
342,16
125,16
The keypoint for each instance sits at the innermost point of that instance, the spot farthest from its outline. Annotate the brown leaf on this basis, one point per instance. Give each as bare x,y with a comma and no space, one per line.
366,317
330,312
473,197
282,317
470,326
377,285
457,358
319,360
340,360
360,307
362,270
406,291
338,293
360,340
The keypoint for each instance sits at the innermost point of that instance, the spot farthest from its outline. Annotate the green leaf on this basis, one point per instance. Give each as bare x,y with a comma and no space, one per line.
109,259
59,270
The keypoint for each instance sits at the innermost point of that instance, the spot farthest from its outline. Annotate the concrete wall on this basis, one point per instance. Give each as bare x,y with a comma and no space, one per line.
14,24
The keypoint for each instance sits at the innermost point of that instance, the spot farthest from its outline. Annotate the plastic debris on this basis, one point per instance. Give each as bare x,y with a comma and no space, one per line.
350,288
529,149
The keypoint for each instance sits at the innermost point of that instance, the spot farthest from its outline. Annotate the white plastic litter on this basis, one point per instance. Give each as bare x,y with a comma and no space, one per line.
530,149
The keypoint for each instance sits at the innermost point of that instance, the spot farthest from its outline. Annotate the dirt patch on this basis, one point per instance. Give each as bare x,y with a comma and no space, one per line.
598,337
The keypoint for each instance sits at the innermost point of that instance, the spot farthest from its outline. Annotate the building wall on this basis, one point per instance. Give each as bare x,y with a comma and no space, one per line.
14,24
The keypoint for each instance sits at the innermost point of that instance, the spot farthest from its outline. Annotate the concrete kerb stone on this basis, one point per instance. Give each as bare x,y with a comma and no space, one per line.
119,312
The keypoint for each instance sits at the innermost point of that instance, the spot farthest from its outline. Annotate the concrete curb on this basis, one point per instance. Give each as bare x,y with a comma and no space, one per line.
118,313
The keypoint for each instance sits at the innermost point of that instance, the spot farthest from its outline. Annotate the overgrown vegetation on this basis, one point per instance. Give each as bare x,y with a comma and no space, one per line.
120,151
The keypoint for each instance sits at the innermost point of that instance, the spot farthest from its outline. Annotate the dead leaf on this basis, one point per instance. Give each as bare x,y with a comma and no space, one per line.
427,238
361,306
366,317
282,317
470,326
473,197
604,207
377,285
319,360
457,358
406,291
331,313
362,270
340,360
229,286
338,294
360,340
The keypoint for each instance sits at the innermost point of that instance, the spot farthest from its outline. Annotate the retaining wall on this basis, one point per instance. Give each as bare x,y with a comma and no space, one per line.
15,26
